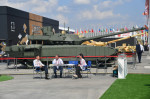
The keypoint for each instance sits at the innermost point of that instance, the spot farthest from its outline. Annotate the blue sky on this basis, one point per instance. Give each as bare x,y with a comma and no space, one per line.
86,14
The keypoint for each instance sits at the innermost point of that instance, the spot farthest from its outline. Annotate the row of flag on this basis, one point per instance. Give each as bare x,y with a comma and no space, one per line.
101,30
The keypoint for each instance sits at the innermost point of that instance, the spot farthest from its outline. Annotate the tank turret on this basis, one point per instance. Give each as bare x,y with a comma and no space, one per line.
51,38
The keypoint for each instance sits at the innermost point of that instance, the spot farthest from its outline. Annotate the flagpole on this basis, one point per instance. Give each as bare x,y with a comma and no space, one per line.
148,30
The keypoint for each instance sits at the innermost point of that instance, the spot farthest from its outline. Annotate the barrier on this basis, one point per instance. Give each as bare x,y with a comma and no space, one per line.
105,64
9,58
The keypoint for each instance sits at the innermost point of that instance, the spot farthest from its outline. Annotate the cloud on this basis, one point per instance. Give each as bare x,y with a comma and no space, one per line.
37,6
96,14
63,9
62,19
110,3
3,2
82,1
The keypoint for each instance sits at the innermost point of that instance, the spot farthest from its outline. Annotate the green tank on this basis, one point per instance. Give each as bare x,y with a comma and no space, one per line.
65,45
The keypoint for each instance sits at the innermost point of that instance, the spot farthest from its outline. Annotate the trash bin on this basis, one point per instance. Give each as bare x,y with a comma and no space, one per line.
122,66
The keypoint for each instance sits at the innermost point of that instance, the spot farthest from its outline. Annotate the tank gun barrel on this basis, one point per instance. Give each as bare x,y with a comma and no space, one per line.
124,38
115,33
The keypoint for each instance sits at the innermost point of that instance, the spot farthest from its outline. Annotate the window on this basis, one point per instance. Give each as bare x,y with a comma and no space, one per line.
13,26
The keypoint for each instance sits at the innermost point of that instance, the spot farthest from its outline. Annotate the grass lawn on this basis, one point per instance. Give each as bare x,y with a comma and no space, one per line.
5,77
135,86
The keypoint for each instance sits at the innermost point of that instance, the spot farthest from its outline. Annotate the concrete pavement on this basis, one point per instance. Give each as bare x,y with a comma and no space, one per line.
24,86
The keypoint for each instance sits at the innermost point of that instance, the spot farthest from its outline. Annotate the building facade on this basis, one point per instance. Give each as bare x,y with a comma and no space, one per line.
16,25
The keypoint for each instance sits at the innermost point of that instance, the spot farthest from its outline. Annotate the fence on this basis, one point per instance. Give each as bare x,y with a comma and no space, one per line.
128,55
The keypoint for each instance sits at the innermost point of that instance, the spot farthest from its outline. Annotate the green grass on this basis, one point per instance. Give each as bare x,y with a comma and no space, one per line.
135,86
5,78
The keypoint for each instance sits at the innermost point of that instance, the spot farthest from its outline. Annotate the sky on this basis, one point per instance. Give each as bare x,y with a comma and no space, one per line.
85,14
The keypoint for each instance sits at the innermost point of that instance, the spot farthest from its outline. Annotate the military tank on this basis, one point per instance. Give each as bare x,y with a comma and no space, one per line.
66,45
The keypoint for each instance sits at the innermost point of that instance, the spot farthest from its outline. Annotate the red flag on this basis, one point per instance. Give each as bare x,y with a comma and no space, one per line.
77,31
92,30
142,32
106,30
84,31
146,12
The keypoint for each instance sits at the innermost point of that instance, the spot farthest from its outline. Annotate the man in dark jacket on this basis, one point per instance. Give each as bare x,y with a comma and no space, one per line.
139,50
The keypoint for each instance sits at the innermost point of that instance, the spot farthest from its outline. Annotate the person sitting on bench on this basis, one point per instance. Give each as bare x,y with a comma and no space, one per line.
57,62
39,66
80,66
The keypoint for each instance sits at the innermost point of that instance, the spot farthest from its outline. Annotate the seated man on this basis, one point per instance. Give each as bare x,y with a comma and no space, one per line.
39,66
57,62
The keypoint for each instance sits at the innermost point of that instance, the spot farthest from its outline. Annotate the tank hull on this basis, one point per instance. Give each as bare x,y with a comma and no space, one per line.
30,51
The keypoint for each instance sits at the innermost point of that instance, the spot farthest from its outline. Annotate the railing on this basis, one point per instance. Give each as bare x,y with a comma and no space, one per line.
133,55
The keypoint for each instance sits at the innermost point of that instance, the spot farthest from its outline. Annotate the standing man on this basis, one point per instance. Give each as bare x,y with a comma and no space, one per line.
57,62
139,50
39,66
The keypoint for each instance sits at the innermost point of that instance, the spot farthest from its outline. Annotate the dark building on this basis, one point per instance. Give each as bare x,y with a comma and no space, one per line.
16,25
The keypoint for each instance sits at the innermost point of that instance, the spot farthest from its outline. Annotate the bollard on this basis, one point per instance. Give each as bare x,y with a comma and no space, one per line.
16,65
105,66
1,59
96,66
47,68
14,62
134,66
7,63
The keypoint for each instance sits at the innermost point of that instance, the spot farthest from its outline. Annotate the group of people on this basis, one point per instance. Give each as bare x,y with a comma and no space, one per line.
58,62
57,65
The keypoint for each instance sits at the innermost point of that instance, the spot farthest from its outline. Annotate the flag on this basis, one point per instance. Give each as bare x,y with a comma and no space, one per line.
142,32
99,30
92,30
84,31
113,30
146,12
126,28
110,30
146,28
103,30
106,30
77,31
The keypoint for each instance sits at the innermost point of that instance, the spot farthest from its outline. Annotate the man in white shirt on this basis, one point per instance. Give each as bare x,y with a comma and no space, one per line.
57,62
40,66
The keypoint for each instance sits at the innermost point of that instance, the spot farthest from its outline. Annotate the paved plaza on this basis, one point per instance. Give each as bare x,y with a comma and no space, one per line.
24,86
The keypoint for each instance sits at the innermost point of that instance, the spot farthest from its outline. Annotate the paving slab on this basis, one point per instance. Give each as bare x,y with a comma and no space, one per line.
25,87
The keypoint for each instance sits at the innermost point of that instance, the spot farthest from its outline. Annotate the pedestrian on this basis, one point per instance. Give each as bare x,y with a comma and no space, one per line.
139,51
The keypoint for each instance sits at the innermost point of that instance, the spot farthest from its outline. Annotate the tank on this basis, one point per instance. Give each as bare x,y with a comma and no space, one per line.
65,45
